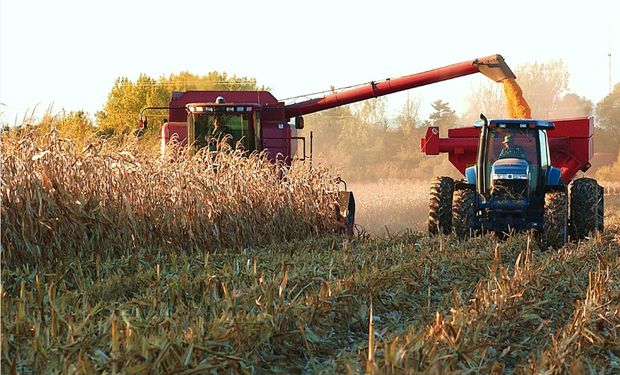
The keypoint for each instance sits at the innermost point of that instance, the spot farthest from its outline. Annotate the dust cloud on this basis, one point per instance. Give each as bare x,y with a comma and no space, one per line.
378,161
390,206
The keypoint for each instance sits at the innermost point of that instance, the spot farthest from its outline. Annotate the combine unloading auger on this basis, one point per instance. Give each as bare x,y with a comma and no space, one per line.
492,66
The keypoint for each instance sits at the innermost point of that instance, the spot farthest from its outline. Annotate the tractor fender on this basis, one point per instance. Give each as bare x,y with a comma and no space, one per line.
554,176
470,175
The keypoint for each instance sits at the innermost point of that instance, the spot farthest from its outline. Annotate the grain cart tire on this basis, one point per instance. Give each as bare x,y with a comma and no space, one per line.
586,207
440,206
555,219
463,212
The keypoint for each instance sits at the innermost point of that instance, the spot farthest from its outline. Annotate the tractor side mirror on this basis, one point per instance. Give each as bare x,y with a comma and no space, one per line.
299,122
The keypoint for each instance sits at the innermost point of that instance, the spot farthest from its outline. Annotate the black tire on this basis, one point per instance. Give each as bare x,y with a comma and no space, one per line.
555,220
440,206
601,209
586,207
463,212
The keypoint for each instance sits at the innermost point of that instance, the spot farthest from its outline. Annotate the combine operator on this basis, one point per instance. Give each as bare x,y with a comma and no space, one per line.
219,133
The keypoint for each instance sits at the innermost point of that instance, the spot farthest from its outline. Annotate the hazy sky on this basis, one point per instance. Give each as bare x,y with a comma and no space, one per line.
69,53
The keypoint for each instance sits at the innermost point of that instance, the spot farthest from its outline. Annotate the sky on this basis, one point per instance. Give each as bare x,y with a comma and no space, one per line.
67,54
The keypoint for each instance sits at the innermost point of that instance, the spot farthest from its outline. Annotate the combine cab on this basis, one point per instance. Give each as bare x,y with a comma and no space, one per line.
519,175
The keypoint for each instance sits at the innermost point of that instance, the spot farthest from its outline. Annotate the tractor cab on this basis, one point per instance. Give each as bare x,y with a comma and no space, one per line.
210,124
513,161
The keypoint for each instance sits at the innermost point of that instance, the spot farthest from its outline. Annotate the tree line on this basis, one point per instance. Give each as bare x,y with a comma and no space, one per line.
362,143
360,140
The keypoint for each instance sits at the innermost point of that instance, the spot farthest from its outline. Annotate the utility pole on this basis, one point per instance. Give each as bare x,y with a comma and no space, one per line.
609,57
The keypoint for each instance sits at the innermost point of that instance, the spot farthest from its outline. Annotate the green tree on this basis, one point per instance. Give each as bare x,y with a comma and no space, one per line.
607,137
127,98
409,116
573,105
372,112
544,85
216,81
327,128
608,110
125,101
488,99
444,116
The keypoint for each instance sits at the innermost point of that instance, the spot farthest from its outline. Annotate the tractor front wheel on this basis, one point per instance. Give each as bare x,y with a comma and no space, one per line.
440,206
463,212
586,207
555,219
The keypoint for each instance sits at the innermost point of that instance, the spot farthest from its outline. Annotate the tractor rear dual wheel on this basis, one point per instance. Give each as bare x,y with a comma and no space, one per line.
555,220
463,212
586,208
440,206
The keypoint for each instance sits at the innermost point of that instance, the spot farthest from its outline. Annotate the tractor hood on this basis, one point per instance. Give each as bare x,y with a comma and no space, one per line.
510,169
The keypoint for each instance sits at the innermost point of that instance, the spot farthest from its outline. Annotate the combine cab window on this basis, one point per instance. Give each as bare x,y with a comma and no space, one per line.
212,128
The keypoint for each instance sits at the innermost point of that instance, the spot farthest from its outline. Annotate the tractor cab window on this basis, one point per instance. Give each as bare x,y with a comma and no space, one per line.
212,128
507,143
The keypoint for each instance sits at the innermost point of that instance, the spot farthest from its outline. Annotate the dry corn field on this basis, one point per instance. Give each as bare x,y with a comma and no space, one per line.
114,261
107,200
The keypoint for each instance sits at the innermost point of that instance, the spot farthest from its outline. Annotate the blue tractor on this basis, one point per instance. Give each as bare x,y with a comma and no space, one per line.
522,180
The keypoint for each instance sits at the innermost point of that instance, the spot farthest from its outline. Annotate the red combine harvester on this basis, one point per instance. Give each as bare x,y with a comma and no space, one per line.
518,175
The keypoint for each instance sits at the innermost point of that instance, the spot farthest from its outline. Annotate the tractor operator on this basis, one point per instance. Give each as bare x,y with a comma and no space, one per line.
510,150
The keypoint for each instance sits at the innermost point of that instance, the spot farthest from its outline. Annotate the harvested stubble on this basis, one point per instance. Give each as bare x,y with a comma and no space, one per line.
612,188
439,306
108,199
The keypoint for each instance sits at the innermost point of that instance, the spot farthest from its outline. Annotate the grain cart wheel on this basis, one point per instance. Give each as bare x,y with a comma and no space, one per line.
586,207
555,219
463,212
440,206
